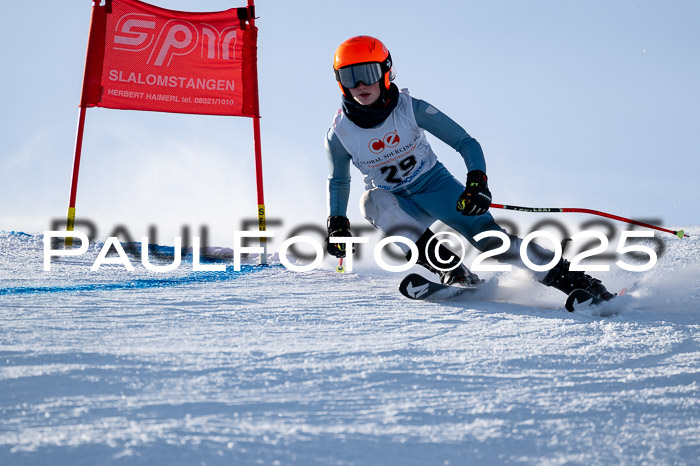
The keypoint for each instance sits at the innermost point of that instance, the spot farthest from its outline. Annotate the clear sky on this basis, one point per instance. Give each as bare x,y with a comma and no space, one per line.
576,103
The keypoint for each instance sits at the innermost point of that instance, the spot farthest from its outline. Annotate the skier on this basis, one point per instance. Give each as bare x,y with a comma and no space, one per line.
381,131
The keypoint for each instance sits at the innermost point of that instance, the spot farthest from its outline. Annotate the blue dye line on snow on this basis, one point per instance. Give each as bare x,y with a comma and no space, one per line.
139,284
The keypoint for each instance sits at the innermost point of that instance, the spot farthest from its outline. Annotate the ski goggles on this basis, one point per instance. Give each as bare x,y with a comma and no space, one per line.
352,76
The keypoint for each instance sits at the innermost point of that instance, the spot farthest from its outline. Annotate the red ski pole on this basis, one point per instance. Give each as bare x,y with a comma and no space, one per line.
341,267
680,233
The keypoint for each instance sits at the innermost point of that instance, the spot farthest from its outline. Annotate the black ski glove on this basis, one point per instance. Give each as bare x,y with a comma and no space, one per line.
337,227
476,198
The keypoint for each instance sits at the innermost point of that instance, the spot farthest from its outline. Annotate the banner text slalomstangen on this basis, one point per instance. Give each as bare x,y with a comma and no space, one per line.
142,57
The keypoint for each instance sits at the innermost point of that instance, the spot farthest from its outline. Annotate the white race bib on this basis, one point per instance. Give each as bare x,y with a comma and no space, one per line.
392,155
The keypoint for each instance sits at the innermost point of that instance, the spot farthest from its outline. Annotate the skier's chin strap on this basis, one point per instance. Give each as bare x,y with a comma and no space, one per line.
369,116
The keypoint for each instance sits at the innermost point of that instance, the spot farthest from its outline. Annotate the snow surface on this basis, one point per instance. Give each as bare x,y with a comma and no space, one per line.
270,366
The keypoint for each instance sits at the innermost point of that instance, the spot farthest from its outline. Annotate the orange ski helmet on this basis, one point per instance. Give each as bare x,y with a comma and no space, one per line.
362,59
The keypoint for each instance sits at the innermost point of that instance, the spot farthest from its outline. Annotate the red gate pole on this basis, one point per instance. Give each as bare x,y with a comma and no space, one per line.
97,20
258,151
70,221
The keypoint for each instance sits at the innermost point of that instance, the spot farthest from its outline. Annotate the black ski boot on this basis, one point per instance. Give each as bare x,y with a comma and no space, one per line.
459,275
563,279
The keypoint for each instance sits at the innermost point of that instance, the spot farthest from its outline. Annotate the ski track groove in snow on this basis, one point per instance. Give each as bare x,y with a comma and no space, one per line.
270,365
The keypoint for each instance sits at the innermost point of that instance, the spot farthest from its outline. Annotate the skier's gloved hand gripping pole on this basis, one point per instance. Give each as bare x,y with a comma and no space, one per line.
476,198
337,227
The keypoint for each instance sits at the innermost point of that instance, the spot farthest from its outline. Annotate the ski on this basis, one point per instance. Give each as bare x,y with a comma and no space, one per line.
579,299
417,287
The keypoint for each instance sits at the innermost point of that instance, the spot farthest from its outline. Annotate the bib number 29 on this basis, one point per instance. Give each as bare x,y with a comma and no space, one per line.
405,167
